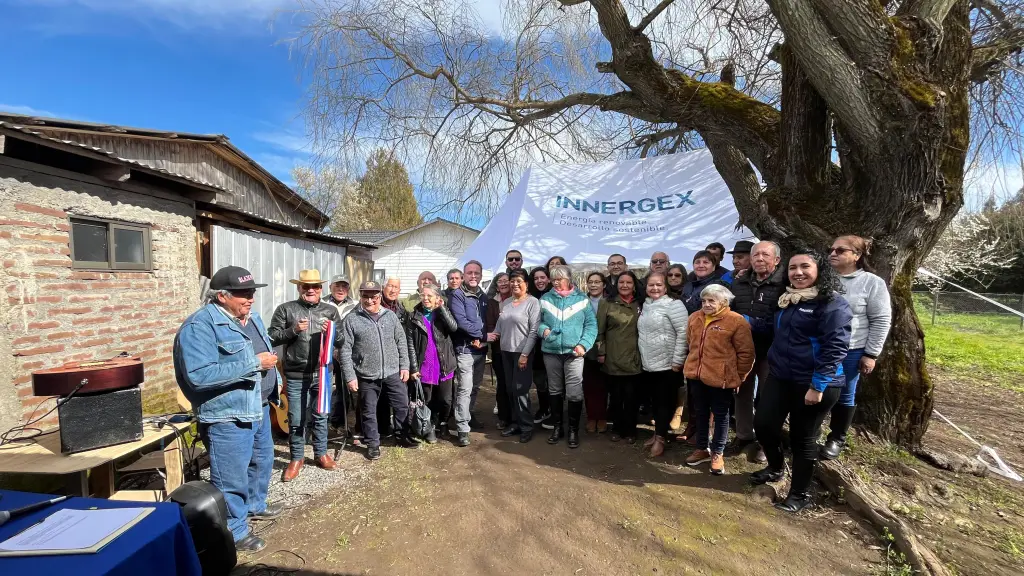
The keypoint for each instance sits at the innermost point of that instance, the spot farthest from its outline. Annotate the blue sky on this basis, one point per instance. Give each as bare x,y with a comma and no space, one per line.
213,66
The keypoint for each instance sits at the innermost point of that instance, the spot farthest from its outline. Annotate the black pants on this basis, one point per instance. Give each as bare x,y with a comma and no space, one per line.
779,399
517,386
501,392
664,389
625,403
370,393
439,399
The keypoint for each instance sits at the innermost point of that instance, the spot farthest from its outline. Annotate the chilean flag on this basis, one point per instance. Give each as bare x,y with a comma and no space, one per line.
323,402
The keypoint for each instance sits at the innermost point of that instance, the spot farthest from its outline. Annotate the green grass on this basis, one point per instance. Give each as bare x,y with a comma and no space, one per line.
987,347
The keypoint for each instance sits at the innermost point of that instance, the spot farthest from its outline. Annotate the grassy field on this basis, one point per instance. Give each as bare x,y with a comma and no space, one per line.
984,347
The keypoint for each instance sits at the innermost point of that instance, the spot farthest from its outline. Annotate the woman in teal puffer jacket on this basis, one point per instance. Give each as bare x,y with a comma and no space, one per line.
568,328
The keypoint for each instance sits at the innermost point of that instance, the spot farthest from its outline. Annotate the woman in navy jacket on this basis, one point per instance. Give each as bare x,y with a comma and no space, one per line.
812,336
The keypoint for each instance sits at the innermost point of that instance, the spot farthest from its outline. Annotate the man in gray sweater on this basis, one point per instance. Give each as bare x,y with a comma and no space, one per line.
375,362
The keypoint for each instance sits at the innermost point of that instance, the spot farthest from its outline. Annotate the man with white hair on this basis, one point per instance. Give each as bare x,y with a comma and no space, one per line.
757,292
225,365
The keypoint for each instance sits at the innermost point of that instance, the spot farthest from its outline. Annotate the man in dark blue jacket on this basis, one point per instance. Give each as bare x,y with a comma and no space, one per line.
469,306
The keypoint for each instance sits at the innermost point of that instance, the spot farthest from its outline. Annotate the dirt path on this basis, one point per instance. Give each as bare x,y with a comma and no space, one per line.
500,507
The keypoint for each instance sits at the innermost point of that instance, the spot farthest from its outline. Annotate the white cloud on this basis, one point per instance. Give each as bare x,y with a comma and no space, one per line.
284,140
1000,179
27,110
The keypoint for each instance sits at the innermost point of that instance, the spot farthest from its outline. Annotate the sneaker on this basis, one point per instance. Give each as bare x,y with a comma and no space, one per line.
463,439
541,417
373,453
698,457
495,411
717,464
251,543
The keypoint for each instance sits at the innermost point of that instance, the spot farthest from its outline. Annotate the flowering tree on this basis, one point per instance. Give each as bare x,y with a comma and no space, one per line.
969,249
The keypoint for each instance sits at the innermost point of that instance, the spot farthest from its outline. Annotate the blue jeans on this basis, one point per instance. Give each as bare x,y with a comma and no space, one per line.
851,367
231,446
261,465
301,413
710,400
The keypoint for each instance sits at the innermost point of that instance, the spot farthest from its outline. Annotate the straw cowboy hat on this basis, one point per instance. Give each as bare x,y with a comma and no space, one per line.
308,277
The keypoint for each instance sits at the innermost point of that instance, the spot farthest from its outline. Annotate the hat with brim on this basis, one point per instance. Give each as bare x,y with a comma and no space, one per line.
742,247
309,277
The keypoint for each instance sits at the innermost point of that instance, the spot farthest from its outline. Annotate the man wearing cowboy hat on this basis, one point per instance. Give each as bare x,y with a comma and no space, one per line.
297,326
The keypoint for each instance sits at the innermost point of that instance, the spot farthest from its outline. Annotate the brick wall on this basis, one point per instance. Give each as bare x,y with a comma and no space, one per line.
54,314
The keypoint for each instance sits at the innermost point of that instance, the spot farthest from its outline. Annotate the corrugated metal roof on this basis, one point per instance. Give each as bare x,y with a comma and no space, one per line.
314,233
371,236
24,124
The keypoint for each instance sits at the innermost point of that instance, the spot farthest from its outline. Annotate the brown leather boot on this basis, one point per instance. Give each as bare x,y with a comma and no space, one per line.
292,471
658,448
326,462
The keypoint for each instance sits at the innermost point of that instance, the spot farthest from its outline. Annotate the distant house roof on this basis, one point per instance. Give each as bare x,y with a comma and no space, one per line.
378,237
98,139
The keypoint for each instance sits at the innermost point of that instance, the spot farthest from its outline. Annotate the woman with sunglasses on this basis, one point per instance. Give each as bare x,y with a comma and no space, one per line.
872,316
805,377
676,278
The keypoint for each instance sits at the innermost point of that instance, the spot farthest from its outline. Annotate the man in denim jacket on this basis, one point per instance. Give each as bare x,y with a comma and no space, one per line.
226,367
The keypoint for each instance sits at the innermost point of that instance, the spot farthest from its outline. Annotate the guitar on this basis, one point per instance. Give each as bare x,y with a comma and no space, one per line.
114,374
279,412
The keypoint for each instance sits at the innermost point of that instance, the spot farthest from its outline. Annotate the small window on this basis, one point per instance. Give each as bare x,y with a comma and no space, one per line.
106,245
379,276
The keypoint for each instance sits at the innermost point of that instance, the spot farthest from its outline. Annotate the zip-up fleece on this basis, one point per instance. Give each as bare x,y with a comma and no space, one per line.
721,351
372,350
571,320
811,341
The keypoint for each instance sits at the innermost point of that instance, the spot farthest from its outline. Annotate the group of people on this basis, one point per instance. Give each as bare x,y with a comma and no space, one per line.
760,343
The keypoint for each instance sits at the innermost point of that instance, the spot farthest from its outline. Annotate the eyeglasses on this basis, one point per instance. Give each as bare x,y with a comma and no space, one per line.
658,261
840,250
312,287
243,294
514,259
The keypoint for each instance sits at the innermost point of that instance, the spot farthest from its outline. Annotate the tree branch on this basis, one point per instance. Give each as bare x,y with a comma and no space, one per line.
646,21
861,28
834,75
933,11
734,167
988,59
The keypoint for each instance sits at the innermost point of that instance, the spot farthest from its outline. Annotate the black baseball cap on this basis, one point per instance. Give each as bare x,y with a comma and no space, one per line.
233,278
742,247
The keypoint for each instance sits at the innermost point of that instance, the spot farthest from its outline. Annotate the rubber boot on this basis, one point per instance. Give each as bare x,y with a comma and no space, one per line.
842,419
557,431
575,412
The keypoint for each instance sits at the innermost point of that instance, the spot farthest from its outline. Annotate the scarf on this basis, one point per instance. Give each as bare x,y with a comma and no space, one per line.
627,299
564,293
795,296
390,304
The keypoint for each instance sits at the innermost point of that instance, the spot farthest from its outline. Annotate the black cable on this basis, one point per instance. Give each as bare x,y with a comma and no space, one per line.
263,569
5,437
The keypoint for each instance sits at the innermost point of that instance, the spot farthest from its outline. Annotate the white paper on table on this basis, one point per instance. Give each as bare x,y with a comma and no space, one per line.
69,530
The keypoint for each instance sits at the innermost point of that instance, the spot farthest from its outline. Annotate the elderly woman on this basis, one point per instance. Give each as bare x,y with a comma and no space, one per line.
568,328
595,394
662,340
872,315
516,331
676,279
619,353
706,271
540,285
805,376
430,330
721,355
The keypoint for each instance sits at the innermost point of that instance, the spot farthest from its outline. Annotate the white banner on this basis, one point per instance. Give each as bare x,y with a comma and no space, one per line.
676,204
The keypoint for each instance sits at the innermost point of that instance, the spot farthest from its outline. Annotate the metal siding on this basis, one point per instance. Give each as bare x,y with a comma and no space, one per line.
273,260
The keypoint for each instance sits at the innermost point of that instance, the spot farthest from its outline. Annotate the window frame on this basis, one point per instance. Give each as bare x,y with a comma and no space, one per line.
110,264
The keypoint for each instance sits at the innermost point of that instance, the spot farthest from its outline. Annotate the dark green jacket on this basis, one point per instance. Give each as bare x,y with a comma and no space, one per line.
617,337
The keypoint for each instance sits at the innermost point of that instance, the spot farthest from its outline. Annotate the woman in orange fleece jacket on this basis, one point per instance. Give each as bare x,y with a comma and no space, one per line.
721,355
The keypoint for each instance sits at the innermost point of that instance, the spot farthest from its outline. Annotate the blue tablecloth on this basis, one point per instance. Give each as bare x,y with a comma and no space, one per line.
159,545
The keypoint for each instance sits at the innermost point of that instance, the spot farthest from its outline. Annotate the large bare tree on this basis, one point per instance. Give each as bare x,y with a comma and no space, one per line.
856,113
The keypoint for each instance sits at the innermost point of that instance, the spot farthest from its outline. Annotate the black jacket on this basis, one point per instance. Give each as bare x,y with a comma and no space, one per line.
691,290
758,302
302,349
443,327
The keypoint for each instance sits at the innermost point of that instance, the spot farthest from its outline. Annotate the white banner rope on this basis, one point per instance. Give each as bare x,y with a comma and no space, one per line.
999,467
989,300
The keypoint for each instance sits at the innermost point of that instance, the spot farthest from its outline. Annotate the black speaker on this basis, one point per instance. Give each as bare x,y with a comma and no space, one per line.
100,419
207,518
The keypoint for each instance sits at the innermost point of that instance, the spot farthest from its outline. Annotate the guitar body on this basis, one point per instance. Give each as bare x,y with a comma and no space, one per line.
279,412
101,375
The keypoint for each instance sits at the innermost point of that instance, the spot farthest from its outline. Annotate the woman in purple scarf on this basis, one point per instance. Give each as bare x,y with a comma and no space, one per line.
430,330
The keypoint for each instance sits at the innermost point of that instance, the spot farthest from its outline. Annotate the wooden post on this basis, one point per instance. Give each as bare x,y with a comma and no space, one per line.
935,305
1022,310
172,465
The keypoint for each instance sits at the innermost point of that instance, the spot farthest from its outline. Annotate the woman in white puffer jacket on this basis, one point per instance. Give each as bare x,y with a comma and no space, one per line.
662,339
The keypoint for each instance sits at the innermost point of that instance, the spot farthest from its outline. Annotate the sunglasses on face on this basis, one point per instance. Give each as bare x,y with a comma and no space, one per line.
840,250
514,259
675,275
659,261
312,287
243,294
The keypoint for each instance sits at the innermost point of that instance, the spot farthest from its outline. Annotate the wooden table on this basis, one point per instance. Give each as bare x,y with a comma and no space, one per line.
91,473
